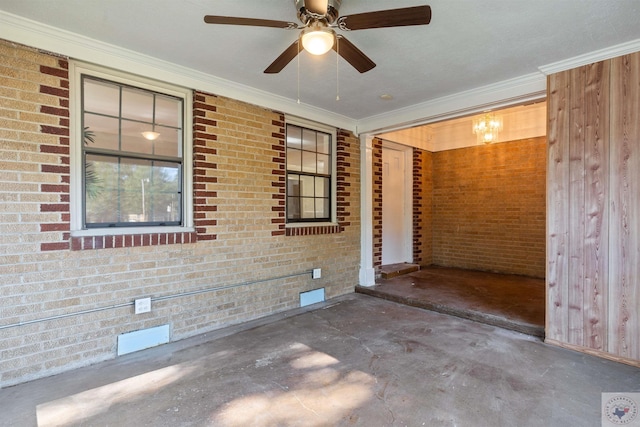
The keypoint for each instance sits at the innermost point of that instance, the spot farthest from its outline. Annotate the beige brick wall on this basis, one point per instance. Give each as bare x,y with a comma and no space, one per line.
235,243
480,208
489,207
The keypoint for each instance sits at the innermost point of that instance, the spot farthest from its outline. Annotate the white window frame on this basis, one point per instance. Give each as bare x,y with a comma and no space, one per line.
76,71
297,121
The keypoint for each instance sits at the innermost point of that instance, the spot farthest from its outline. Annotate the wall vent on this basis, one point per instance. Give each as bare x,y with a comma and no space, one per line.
311,297
144,338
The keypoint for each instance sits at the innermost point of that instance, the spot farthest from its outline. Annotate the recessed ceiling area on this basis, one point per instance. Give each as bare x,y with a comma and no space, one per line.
519,122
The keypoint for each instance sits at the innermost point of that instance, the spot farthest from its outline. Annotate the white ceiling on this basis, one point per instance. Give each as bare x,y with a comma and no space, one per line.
469,45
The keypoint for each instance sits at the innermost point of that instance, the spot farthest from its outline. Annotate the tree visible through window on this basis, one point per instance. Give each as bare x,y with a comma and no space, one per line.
132,155
308,175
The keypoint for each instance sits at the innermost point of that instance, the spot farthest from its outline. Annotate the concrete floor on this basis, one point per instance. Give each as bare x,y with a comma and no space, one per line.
352,361
506,300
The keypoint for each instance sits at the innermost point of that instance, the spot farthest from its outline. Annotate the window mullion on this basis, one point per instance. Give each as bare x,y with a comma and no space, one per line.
132,155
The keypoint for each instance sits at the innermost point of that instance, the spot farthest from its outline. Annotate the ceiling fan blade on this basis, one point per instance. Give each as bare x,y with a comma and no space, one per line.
230,20
284,58
417,15
353,55
319,7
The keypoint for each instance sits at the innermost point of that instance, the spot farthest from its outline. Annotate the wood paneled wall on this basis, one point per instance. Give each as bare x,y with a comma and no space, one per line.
593,200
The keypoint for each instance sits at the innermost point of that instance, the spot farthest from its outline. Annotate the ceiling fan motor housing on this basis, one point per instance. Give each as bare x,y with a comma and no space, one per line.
305,15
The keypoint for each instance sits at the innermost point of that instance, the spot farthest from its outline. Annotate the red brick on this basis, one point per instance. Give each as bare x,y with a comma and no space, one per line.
54,246
54,71
54,227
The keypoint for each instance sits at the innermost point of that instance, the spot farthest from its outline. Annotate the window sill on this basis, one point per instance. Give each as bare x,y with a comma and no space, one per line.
130,237
310,224
312,228
121,231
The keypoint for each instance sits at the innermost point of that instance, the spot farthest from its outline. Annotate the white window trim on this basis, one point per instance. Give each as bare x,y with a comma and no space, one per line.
297,121
76,70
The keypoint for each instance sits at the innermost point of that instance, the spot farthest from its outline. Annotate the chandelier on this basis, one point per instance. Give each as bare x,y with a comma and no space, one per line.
487,127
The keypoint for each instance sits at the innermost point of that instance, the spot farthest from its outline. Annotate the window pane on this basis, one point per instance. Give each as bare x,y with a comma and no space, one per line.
168,111
101,132
293,207
294,159
162,197
324,143
322,208
101,97
322,187
137,105
307,186
293,185
323,164
294,137
309,140
132,139
101,189
168,143
308,208
308,162
120,190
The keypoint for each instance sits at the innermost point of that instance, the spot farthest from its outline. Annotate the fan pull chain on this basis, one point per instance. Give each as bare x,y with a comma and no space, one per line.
298,64
337,68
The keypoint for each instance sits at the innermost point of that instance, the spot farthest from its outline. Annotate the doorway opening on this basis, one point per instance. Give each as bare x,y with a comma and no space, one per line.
476,207
396,204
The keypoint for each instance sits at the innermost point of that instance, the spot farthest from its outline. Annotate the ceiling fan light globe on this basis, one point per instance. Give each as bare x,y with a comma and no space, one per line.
150,135
318,42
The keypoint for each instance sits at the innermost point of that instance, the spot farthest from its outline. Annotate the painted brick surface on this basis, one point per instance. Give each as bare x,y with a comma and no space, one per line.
236,265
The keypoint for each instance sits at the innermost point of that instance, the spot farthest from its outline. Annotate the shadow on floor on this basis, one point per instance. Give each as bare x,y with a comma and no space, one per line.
507,301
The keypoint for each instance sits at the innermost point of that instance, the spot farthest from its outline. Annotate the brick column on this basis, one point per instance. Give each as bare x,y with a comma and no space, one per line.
55,106
377,203
204,166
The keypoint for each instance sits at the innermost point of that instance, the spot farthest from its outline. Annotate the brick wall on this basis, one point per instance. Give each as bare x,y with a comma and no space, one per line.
480,208
236,242
489,207
422,207
377,203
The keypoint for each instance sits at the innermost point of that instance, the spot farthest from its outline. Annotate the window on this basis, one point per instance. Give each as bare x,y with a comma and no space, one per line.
132,165
310,172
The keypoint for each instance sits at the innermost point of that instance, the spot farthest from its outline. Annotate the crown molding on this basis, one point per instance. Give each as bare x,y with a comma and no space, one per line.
74,46
520,90
591,57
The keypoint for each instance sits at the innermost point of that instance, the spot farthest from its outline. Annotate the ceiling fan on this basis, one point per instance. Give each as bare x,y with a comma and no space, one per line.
319,18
